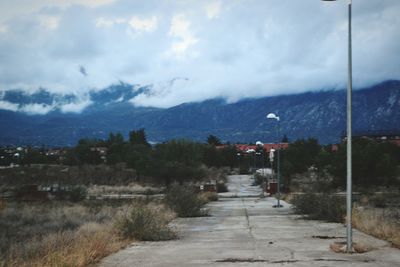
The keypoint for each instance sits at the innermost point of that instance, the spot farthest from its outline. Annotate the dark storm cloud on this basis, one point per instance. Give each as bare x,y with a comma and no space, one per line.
230,49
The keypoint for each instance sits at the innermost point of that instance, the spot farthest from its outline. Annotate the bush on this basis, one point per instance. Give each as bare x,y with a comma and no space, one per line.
243,169
208,197
184,201
320,207
145,222
259,179
78,193
221,188
370,220
57,233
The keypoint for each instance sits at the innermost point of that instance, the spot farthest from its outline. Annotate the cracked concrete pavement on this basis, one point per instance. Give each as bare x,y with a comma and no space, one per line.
243,229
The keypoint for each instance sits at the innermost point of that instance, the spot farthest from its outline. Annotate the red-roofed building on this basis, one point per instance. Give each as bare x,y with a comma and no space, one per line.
334,148
267,147
245,148
381,136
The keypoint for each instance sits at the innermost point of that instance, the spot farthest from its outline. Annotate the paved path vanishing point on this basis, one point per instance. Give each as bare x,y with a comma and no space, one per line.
244,230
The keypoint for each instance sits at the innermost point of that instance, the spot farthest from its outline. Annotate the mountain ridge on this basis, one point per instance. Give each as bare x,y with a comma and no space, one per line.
311,114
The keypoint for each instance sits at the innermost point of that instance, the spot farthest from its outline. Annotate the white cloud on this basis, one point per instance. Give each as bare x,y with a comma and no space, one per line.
36,109
102,22
3,28
5,105
143,24
12,9
213,10
180,29
88,3
75,107
50,22
229,49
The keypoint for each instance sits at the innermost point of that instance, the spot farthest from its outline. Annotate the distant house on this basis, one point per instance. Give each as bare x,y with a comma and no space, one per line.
53,152
267,147
246,148
334,147
392,136
101,150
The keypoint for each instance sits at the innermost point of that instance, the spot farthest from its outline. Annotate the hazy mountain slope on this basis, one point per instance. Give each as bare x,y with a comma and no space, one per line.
317,114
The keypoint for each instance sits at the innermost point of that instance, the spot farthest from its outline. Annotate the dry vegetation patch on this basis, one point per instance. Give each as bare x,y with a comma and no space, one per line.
383,223
64,233
148,222
133,188
86,245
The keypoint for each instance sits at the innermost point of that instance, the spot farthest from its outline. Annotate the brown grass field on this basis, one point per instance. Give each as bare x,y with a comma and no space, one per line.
63,233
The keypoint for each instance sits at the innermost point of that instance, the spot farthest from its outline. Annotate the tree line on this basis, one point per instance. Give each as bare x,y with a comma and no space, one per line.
373,163
172,161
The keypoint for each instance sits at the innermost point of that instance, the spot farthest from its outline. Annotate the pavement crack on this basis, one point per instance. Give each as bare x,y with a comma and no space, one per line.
327,237
241,260
247,219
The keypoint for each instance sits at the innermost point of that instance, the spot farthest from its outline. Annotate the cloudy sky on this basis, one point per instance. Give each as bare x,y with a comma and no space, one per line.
191,50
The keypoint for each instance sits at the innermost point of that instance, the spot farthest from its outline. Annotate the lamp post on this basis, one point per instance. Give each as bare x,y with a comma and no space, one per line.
238,156
278,129
259,144
253,152
349,135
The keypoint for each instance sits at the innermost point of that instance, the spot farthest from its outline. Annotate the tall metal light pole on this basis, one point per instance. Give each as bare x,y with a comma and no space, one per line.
259,144
278,129
349,239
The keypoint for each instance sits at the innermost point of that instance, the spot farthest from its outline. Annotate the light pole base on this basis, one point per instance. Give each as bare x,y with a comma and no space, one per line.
277,206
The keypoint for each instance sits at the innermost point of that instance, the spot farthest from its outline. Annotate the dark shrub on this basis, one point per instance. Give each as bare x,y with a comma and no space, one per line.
320,207
144,222
184,201
78,193
221,187
258,179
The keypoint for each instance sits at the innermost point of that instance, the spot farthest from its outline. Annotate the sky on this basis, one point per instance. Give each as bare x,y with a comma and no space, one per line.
193,50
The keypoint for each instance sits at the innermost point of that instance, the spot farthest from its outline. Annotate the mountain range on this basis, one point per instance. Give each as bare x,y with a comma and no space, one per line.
44,118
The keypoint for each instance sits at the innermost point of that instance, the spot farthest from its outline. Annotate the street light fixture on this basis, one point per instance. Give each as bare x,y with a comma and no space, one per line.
278,128
272,115
349,241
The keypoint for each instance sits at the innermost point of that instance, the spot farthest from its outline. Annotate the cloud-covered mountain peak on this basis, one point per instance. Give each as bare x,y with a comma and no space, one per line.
44,101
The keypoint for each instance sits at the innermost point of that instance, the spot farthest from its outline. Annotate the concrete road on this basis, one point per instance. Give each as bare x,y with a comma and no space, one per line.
244,230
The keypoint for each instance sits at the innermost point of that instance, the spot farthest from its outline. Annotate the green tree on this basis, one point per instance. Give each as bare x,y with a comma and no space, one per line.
178,160
213,140
116,150
138,138
301,155
85,152
285,139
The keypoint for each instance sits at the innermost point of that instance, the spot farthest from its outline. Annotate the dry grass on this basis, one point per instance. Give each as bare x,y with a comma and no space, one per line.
76,234
87,245
2,205
206,197
133,188
383,223
57,234
149,222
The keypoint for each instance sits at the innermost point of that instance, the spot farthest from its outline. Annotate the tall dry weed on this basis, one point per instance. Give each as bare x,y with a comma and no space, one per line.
84,246
382,223
57,234
146,222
